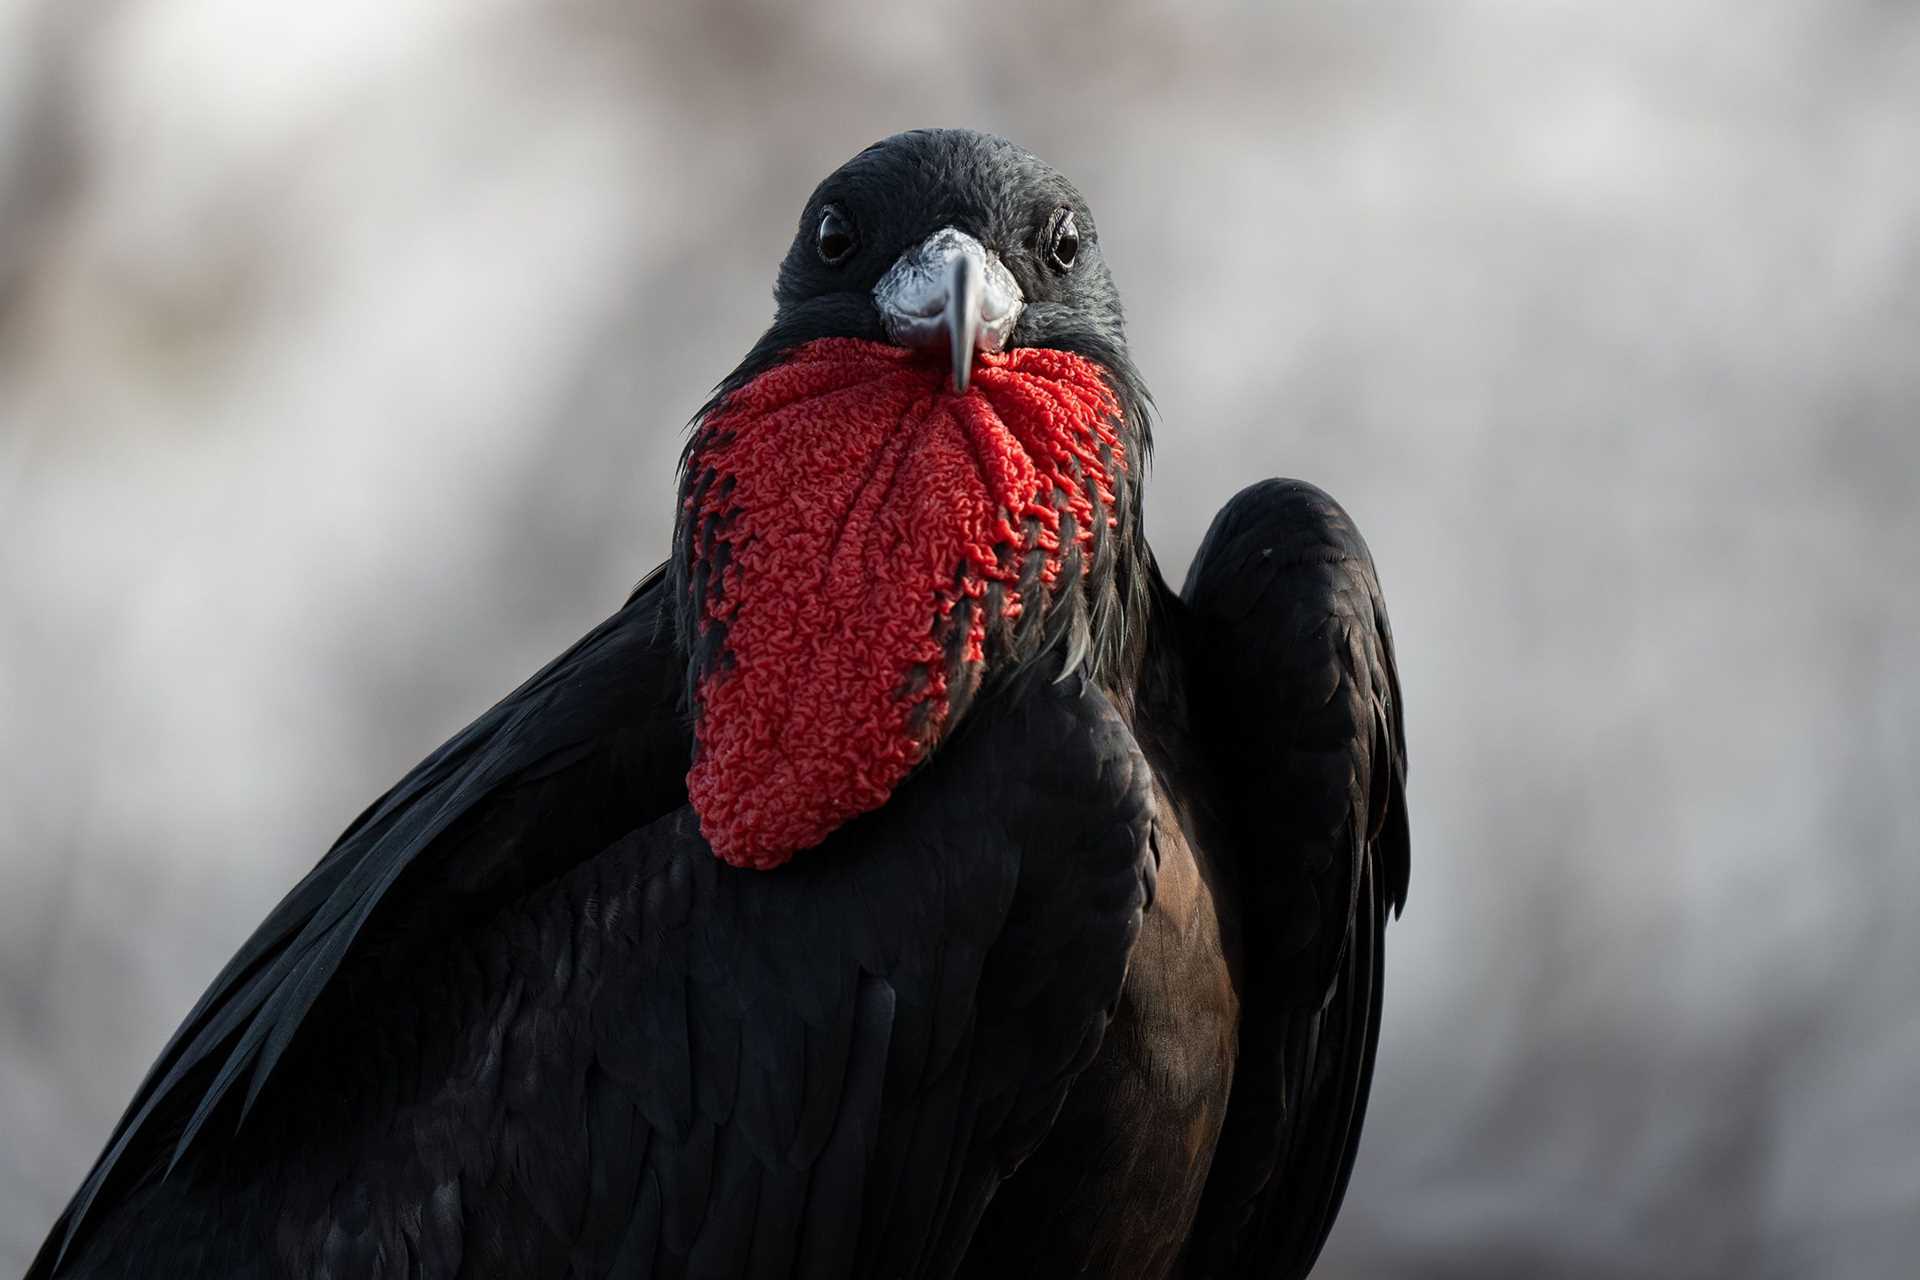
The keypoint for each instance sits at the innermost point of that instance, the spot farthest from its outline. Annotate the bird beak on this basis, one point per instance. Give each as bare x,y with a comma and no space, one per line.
949,291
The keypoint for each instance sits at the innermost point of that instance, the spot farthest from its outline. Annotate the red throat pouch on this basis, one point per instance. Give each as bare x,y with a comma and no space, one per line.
846,514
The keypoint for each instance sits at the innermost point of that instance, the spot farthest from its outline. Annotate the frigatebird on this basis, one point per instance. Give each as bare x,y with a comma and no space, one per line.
906,881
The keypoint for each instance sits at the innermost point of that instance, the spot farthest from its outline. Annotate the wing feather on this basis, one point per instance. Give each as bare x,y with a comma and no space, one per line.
253,1007
1300,698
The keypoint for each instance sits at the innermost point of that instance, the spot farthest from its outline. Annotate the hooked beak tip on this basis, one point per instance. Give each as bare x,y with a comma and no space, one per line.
963,317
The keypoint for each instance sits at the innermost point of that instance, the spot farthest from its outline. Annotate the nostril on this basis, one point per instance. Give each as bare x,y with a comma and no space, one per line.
997,305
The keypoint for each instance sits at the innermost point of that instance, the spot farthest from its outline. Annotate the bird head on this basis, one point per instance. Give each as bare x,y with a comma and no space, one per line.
921,481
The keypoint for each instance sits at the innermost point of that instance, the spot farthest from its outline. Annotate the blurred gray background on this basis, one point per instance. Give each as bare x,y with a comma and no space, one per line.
345,351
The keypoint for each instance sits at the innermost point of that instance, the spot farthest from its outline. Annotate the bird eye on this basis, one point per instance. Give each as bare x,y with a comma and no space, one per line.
836,240
1063,240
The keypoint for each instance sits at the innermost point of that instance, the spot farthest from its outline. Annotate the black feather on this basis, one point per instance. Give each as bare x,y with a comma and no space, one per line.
1303,701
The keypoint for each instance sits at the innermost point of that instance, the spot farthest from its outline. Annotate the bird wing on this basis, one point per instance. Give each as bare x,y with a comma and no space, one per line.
1300,700
525,1023
611,696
